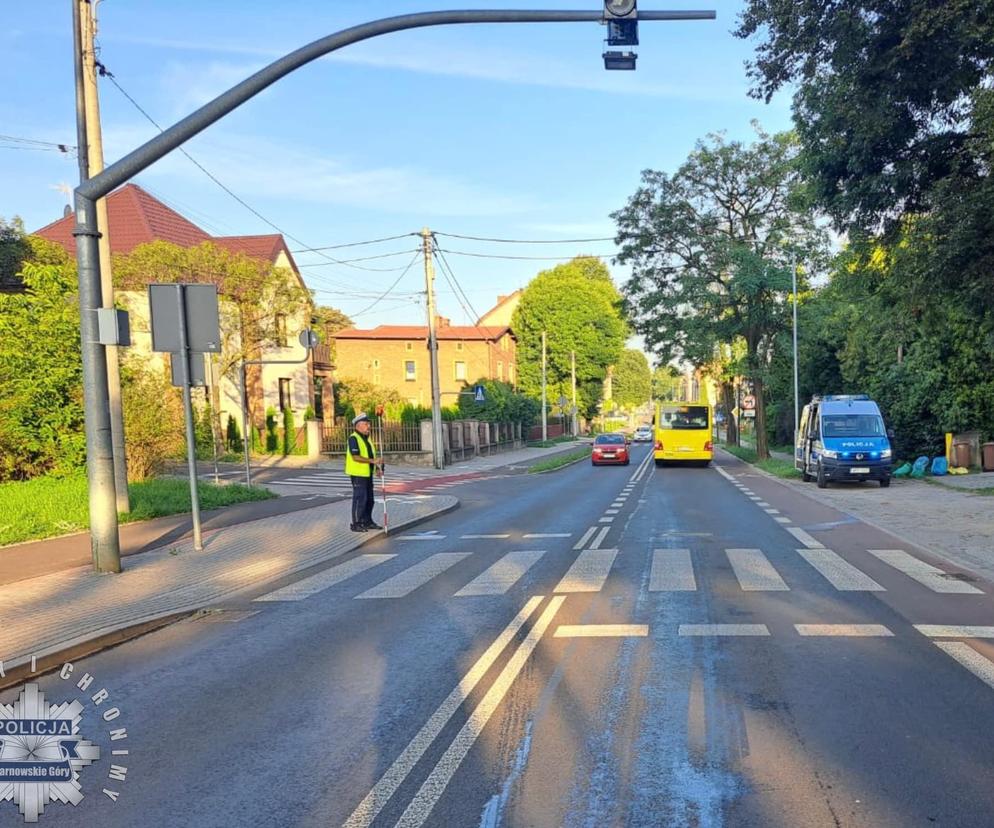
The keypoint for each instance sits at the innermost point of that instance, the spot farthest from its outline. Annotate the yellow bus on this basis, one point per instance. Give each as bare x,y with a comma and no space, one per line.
683,433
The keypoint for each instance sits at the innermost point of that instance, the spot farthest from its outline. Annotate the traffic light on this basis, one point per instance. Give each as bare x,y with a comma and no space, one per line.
620,10
621,18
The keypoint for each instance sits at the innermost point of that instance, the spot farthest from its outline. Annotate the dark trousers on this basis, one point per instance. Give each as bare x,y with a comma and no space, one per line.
362,500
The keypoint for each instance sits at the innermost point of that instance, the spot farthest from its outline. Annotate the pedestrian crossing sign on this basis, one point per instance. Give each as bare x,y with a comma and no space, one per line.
478,394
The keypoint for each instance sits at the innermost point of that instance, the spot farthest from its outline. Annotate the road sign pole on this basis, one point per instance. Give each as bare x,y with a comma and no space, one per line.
545,422
191,445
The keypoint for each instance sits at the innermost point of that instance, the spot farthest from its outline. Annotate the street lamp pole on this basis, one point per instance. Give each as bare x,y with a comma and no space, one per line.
793,273
100,468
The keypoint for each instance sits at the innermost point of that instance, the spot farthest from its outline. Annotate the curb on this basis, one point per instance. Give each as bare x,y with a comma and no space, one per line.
563,466
16,671
868,521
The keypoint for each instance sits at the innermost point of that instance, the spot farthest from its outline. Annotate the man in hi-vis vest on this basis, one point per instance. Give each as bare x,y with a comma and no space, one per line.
360,460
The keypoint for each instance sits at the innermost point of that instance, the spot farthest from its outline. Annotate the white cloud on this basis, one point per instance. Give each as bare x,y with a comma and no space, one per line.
260,168
188,87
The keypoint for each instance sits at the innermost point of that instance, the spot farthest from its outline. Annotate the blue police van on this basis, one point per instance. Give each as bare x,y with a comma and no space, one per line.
842,438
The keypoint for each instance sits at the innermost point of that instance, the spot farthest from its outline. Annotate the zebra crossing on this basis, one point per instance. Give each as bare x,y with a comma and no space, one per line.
399,480
670,570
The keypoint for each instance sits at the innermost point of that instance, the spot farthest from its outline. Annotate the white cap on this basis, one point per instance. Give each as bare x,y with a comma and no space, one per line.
359,418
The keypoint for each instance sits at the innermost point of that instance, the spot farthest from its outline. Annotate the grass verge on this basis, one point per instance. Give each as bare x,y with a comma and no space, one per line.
48,506
772,465
565,438
559,461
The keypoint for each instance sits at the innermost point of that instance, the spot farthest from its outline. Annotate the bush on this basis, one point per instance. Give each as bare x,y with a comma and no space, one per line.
203,433
272,439
502,404
233,436
153,419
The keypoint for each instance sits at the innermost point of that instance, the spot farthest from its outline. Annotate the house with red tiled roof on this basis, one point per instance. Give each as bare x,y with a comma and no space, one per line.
396,356
136,217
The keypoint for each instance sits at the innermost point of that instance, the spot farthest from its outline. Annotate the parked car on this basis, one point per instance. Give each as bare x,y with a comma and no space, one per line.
609,448
643,434
842,437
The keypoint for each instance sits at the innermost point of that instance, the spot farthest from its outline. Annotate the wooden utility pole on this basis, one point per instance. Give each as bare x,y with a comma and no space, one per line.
95,157
572,360
438,449
545,424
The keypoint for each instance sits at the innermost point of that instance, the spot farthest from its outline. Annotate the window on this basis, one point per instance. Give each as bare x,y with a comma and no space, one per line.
510,372
408,346
410,370
505,343
286,401
376,363
281,330
684,416
460,370
500,370
458,346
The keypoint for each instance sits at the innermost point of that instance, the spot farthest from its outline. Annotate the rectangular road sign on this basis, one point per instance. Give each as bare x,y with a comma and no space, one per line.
203,328
198,374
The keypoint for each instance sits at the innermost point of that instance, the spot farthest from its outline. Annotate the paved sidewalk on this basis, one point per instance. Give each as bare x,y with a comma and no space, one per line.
952,523
53,613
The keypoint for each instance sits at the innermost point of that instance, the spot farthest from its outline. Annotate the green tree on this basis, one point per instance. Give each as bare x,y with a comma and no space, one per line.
631,380
254,296
710,249
153,418
502,404
41,382
665,383
579,308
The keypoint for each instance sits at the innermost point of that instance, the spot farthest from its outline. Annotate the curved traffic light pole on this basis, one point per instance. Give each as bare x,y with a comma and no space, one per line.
103,515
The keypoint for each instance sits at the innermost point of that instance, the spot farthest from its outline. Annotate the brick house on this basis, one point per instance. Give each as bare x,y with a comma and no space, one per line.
136,217
396,356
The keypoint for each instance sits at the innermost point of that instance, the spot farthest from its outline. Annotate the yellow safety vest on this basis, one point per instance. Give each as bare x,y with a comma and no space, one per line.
353,467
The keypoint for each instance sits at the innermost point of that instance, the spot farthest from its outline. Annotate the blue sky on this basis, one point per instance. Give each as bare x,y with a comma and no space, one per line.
509,131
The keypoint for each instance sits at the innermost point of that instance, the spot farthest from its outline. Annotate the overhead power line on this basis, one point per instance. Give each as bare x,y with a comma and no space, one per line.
365,259
353,244
396,282
530,258
525,241
41,146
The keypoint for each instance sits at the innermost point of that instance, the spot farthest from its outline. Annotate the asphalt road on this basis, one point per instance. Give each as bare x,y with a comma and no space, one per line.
623,650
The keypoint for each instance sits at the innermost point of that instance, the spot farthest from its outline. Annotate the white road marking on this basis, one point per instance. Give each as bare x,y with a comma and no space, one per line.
926,574
805,538
395,775
428,795
954,631
419,537
977,664
414,576
755,497
483,537
588,572
723,629
499,578
611,511
763,504
723,473
839,572
586,536
596,542
854,630
606,520
601,630
323,580
754,571
550,535
675,534
617,504
772,511
782,519
672,571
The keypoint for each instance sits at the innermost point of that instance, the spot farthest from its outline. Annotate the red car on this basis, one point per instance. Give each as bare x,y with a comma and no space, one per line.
610,448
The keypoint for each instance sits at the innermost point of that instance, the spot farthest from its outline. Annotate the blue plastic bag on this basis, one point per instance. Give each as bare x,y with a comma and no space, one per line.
918,470
940,466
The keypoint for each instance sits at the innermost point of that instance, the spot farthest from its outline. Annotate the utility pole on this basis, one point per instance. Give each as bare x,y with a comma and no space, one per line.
95,159
793,273
572,361
438,449
105,544
545,423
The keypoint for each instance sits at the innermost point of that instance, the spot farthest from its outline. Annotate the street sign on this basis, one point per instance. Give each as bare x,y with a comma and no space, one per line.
308,339
563,401
479,394
748,402
198,375
203,328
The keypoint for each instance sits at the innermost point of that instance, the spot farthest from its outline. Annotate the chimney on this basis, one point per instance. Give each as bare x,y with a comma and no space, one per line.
442,322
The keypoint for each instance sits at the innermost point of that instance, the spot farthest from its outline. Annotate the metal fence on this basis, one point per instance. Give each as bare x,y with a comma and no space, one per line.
387,436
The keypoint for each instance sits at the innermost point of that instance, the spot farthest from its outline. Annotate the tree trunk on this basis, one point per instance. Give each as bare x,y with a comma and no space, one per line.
762,450
728,402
